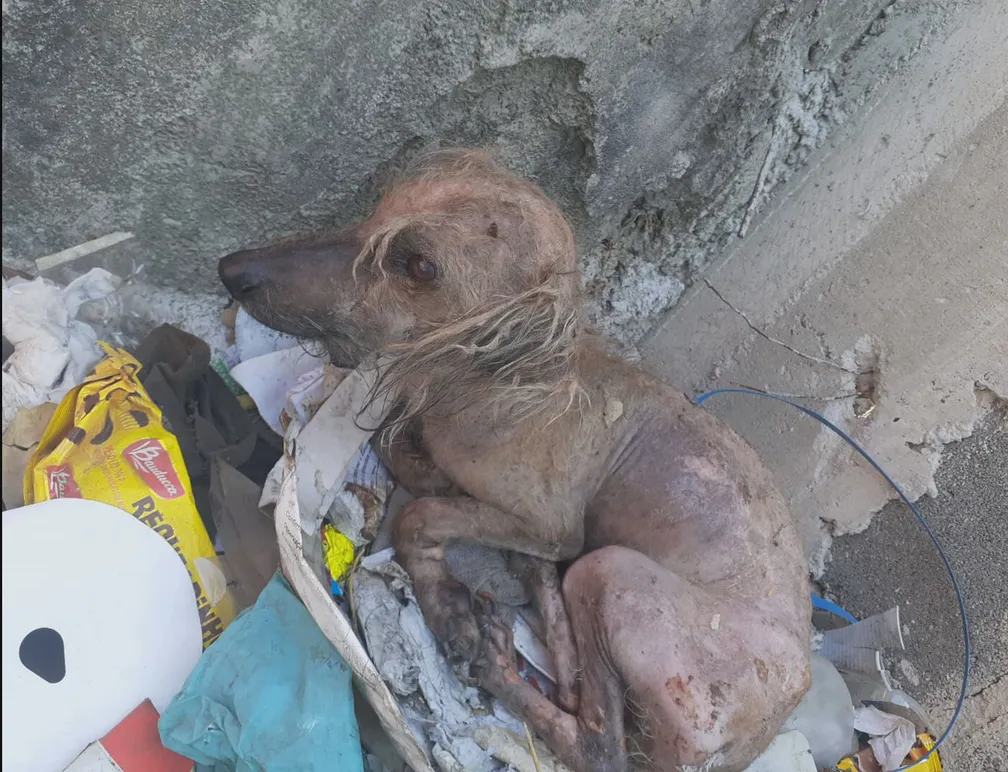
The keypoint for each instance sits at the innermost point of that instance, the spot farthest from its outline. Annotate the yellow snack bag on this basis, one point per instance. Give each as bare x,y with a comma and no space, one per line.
107,442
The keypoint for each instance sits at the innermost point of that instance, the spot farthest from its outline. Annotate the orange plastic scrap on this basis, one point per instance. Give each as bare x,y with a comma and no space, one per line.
107,442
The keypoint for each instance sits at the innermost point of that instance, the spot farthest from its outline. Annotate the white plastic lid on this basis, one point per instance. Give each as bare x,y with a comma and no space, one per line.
98,614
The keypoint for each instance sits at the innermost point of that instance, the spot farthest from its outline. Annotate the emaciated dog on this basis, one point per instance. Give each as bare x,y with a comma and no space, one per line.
680,630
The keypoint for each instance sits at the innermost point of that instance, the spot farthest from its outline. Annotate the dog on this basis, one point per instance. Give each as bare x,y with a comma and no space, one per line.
680,626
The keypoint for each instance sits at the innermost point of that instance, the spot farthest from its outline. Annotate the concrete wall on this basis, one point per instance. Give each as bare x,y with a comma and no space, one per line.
723,159
204,127
677,136
875,289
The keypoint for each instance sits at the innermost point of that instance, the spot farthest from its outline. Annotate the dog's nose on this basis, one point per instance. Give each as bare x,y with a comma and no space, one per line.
242,273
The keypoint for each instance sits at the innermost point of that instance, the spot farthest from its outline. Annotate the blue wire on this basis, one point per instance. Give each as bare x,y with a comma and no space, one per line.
967,646
828,605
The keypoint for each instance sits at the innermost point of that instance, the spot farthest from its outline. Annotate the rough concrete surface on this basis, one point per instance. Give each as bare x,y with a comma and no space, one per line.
660,126
876,290
893,562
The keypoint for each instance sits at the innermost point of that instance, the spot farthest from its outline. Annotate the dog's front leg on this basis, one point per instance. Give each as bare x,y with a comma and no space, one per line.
412,466
423,530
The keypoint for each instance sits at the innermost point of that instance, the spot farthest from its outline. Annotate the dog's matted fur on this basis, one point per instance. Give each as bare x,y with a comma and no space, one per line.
682,621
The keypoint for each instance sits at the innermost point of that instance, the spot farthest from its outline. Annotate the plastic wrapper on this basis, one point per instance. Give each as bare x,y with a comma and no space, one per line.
107,442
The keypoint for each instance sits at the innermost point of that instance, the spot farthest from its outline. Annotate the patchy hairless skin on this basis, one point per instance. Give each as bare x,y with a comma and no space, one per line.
680,630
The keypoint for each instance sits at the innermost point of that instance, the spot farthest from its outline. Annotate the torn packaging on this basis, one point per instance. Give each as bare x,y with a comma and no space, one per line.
404,648
333,622
891,736
107,442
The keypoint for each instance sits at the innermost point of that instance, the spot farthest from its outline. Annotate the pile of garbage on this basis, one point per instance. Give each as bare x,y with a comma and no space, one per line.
191,444
286,637
855,717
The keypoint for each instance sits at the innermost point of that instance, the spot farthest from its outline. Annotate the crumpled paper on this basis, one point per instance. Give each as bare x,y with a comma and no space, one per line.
403,647
312,412
891,737
53,350
466,732
267,379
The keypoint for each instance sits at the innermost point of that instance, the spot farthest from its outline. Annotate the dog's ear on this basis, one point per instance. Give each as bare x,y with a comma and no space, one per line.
519,351
525,341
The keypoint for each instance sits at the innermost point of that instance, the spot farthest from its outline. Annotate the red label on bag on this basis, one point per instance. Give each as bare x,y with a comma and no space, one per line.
62,484
150,459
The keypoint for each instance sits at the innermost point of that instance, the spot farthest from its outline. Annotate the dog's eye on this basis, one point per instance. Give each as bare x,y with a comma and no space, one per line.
421,268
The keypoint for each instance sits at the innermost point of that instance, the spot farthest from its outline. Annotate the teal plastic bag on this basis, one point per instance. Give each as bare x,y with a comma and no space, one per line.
272,694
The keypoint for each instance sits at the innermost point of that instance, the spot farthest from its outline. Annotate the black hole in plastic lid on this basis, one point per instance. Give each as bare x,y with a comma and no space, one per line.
42,653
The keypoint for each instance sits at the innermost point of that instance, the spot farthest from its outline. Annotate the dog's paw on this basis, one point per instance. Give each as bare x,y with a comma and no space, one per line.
495,667
453,623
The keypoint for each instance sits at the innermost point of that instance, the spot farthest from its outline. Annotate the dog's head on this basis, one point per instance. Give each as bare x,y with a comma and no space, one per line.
464,276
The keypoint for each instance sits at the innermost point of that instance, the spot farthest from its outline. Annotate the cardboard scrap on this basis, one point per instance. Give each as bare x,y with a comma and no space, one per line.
19,442
340,435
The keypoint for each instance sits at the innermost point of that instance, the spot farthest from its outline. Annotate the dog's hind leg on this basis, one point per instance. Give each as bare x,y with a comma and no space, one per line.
711,680
590,741
543,581
713,673
593,739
